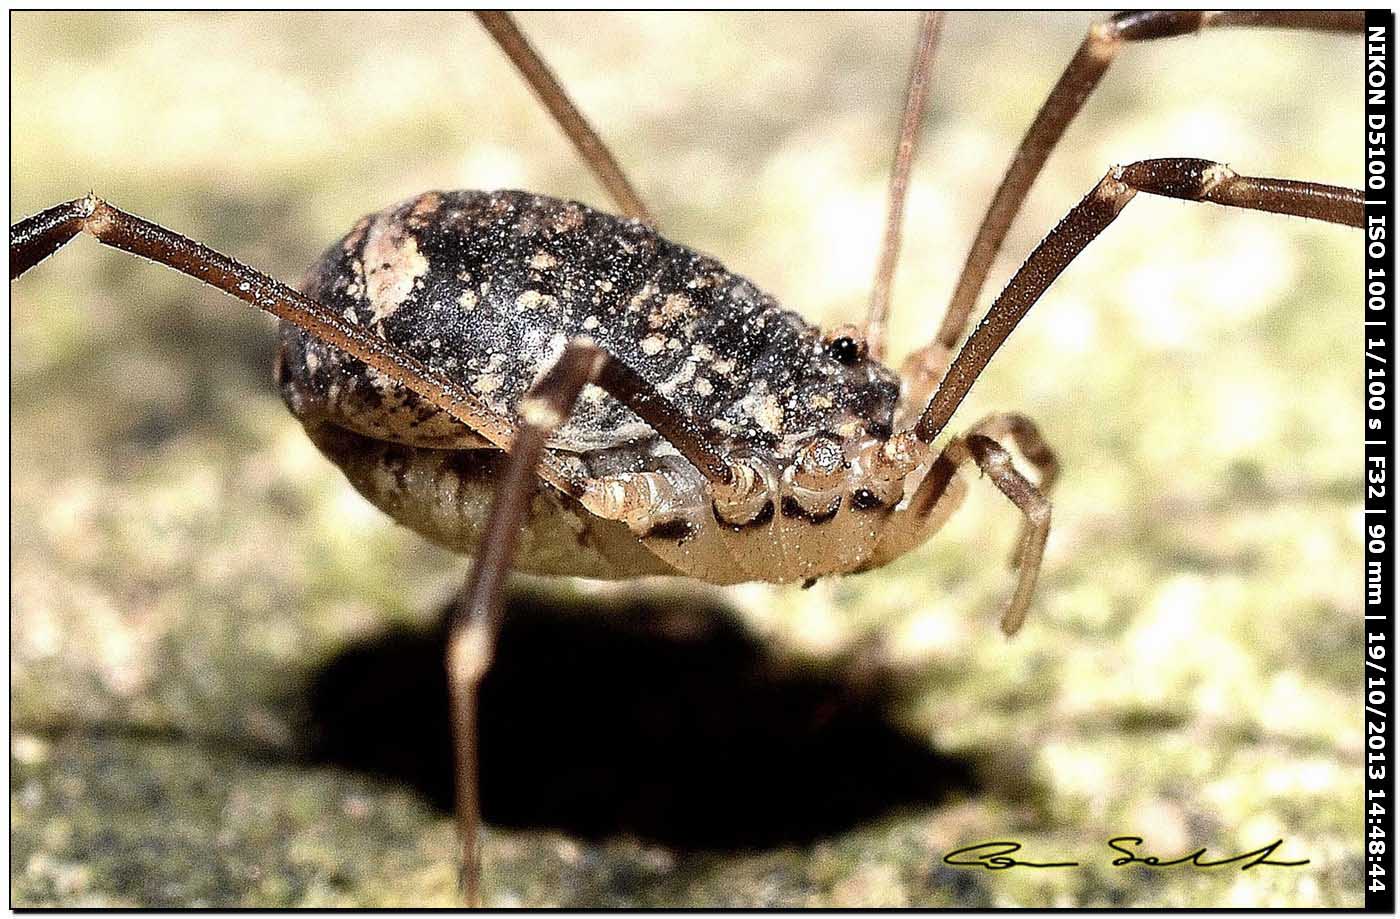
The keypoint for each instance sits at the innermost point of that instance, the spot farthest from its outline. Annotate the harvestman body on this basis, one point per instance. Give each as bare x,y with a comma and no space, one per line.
440,354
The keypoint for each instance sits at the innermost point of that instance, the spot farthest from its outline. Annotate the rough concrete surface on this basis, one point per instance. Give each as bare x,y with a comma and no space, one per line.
224,684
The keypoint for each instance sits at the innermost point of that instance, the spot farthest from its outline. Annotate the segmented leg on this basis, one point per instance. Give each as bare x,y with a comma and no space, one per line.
1037,452
998,466
542,80
1189,179
930,24
477,618
1098,50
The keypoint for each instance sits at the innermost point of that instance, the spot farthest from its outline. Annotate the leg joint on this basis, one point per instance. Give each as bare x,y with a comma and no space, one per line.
1145,25
1181,177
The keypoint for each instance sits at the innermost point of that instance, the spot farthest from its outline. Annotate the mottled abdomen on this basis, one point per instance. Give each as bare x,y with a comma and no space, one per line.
487,288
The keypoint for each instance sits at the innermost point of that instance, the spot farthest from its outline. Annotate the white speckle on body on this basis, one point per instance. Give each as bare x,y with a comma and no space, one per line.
770,416
675,306
681,377
640,297
533,299
764,408
395,265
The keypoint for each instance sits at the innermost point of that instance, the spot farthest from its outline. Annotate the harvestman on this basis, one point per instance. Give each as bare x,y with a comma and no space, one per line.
441,350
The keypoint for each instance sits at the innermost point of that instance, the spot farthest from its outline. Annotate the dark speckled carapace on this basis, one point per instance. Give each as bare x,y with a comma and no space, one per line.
487,287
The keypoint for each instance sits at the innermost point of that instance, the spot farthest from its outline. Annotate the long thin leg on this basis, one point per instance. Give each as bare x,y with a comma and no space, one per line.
35,238
477,619
998,466
542,80
1098,50
1189,179
930,23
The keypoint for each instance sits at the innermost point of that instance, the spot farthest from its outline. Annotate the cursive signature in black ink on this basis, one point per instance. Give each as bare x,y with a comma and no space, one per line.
1259,856
996,856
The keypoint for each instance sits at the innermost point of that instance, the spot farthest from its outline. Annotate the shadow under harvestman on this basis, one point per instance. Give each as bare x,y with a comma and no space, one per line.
624,406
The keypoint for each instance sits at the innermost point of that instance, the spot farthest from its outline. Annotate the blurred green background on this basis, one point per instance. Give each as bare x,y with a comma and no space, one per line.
184,562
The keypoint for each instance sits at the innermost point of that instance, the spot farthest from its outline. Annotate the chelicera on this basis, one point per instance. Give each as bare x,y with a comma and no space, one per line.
625,406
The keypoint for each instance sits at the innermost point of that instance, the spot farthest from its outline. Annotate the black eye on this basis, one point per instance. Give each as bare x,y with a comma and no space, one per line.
844,350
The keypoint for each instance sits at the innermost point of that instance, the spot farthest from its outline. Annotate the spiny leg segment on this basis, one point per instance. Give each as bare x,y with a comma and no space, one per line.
1098,50
1189,179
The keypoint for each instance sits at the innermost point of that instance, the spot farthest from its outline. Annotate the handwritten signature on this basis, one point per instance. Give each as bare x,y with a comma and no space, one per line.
997,856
